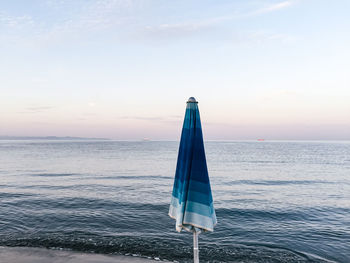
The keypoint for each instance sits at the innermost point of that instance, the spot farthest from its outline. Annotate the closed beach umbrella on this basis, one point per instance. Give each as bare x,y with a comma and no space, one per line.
192,203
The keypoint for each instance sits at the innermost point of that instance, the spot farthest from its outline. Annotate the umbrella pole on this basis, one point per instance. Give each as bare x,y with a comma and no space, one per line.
195,247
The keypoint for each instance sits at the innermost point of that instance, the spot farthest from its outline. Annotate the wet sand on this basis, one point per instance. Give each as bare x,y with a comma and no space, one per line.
42,255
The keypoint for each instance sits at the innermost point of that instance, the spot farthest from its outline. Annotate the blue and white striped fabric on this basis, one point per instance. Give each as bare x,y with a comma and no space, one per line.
192,202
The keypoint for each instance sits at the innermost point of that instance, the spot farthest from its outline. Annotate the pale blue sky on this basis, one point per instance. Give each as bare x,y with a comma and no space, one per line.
123,69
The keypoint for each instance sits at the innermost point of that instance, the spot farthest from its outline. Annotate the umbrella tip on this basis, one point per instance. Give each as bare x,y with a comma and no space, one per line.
192,99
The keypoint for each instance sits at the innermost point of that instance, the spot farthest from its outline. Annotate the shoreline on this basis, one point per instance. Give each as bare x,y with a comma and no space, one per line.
44,255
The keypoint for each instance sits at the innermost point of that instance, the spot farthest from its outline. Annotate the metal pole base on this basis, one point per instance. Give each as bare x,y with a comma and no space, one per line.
195,247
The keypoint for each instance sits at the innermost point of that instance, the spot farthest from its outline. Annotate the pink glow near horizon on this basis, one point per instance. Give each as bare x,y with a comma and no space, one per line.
258,73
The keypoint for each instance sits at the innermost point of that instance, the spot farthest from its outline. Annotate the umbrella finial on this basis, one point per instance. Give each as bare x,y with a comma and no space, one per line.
192,99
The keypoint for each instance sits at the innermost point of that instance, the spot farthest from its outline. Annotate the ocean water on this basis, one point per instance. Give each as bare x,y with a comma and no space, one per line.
275,201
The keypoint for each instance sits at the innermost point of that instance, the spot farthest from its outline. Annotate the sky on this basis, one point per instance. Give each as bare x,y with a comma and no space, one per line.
124,69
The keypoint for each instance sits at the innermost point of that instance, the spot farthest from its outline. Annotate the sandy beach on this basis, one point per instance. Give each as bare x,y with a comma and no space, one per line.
42,255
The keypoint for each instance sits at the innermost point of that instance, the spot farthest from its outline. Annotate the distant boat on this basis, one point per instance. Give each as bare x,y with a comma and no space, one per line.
146,139
261,140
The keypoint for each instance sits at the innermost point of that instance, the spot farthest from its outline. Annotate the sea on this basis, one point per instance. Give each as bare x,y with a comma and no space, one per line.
275,201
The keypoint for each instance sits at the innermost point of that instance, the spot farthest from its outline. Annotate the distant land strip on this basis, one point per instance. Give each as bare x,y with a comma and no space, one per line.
6,137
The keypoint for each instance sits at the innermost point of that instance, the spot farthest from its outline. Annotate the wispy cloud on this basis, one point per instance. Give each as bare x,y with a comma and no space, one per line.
272,8
122,20
244,14
142,118
96,15
170,118
70,20
263,36
186,29
37,109
175,30
15,22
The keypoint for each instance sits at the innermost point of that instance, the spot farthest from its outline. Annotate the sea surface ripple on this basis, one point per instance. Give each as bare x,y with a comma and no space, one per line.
276,201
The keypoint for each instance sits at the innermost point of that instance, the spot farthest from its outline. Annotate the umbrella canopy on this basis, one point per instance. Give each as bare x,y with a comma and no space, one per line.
192,202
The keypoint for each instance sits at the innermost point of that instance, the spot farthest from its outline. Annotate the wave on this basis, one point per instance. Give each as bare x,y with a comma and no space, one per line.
166,249
98,177
14,195
137,177
53,174
111,226
279,182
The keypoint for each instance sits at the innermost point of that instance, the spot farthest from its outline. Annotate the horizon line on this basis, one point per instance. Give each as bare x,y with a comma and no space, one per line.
72,138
